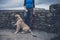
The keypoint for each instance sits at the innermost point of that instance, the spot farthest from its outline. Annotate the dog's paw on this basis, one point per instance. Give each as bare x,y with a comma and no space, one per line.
15,32
23,32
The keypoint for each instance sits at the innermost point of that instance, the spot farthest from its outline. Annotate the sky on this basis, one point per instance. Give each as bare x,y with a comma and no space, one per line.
19,4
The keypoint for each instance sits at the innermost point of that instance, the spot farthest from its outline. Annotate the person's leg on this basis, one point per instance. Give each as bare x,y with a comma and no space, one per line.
30,18
26,17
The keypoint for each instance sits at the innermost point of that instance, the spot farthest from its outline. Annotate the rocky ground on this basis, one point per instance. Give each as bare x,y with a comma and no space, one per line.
8,34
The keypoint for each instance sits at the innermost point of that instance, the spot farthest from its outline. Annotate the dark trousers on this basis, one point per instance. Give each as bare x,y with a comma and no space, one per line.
29,18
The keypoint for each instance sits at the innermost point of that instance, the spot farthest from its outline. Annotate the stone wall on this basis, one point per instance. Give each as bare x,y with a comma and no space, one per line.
7,17
43,20
47,21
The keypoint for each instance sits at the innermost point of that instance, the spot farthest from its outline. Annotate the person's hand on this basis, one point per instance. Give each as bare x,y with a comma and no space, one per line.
26,10
34,12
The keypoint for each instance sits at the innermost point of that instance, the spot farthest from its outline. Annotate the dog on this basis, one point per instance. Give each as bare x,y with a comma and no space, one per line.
20,24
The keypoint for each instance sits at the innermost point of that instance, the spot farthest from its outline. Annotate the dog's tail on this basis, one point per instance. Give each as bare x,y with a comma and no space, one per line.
32,33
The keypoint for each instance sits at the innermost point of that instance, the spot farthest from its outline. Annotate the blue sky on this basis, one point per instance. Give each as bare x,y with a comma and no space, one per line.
19,3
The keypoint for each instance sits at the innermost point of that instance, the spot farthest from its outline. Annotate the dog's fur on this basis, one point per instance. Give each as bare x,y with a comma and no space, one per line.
20,24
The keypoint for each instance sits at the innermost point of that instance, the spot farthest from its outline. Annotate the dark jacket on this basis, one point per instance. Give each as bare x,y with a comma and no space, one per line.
33,3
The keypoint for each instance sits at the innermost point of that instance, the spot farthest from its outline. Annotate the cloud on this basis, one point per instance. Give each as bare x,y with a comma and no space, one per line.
12,3
45,6
17,4
20,3
17,8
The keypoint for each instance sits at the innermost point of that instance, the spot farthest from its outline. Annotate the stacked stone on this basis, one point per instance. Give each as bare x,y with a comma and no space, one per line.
6,19
43,20
40,20
55,20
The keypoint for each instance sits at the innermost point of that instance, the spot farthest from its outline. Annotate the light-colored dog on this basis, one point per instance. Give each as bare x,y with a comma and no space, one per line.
20,24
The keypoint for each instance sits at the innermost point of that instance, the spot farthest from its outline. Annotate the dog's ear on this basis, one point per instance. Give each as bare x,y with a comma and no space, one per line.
17,15
12,14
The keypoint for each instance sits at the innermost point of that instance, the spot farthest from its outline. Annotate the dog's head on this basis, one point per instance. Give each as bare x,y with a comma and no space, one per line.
17,15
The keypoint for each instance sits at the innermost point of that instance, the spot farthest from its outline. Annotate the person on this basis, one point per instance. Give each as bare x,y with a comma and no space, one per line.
29,6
